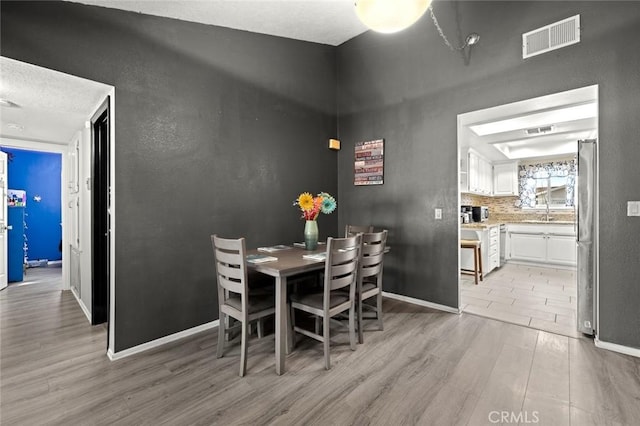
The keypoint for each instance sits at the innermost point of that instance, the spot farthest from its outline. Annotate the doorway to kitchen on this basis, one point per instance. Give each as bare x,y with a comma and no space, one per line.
520,161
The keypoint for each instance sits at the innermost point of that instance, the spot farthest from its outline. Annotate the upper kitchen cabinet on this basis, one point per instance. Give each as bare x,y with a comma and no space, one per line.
476,175
505,178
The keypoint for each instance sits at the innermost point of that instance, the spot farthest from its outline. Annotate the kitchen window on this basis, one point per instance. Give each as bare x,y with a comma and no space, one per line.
547,185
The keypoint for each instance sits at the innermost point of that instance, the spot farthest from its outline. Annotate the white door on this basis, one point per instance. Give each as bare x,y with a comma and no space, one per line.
3,221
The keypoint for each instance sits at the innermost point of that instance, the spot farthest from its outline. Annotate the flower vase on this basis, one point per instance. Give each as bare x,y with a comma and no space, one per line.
311,235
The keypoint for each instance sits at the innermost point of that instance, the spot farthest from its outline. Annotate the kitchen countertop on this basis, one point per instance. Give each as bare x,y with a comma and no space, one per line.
491,223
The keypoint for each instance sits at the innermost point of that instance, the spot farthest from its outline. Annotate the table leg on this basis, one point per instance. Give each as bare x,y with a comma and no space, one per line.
281,323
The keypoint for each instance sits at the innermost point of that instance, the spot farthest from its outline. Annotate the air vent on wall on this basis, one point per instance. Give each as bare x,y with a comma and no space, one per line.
538,130
551,37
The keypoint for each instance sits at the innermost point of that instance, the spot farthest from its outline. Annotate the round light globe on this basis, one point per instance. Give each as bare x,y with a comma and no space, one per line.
390,16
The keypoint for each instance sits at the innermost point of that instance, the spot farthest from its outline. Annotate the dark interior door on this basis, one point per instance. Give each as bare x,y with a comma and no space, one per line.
100,220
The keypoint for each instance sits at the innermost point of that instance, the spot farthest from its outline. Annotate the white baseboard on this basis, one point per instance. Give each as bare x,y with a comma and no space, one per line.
82,305
113,356
420,302
627,350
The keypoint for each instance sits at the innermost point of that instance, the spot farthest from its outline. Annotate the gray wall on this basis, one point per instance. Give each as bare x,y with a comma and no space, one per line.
222,120
217,131
408,88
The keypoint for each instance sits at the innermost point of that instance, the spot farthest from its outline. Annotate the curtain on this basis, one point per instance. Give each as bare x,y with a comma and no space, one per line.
529,175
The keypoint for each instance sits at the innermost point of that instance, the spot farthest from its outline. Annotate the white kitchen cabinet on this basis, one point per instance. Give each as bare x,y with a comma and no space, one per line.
531,247
542,244
464,173
489,248
505,178
476,174
493,255
562,249
486,176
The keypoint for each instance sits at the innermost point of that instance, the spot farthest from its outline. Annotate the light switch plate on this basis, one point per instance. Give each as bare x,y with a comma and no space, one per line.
633,208
438,213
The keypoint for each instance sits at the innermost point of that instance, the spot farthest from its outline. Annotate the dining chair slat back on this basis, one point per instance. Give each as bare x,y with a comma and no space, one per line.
369,282
234,299
338,294
351,230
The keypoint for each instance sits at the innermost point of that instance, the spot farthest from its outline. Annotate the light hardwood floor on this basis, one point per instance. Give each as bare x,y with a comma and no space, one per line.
426,368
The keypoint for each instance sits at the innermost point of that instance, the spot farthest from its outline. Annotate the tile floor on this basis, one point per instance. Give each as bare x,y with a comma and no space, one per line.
536,297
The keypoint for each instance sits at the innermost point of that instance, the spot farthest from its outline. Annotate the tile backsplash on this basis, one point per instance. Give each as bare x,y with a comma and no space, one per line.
504,208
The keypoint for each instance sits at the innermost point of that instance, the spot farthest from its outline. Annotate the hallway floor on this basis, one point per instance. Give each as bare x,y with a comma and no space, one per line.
51,275
536,297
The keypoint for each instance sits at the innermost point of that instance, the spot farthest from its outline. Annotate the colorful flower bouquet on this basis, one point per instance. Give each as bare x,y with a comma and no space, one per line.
312,206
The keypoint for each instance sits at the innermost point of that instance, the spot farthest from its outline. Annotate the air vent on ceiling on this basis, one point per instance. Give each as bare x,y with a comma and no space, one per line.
551,37
538,130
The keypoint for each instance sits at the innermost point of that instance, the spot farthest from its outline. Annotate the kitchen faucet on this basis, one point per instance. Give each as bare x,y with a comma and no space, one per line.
547,198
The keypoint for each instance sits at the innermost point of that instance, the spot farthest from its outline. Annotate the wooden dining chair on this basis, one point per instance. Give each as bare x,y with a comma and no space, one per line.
351,230
340,272
234,298
369,284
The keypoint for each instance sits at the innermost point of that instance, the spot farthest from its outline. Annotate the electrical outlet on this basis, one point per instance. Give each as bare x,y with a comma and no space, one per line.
633,208
438,213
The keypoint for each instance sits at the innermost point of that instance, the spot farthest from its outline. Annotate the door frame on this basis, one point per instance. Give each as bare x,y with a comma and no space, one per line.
55,149
111,99
4,222
593,92
100,212
65,217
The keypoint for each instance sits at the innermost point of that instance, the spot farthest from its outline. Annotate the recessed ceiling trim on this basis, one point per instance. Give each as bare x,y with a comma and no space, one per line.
537,119
540,138
532,151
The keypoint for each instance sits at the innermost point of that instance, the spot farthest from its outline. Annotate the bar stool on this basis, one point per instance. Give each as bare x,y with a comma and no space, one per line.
477,258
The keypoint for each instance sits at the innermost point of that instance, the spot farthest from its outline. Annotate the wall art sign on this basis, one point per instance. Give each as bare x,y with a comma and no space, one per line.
369,163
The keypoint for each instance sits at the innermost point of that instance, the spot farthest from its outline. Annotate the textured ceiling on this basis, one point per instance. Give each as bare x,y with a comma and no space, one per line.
52,106
321,21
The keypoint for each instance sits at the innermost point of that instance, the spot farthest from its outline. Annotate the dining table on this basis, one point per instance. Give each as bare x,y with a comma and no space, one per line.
290,262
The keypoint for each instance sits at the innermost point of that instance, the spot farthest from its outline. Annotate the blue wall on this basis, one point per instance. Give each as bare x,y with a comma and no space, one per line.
38,173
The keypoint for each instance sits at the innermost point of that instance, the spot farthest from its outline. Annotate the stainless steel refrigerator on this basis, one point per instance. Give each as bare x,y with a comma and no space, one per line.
586,235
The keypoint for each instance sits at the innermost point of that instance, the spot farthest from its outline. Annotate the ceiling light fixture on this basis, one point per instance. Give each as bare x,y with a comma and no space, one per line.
390,16
469,41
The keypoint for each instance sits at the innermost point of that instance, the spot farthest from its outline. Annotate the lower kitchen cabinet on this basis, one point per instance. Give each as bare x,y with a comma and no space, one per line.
562,249
490,248
528,246
544,244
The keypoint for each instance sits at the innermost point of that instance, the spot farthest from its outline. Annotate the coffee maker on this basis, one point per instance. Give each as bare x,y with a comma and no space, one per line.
466,214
